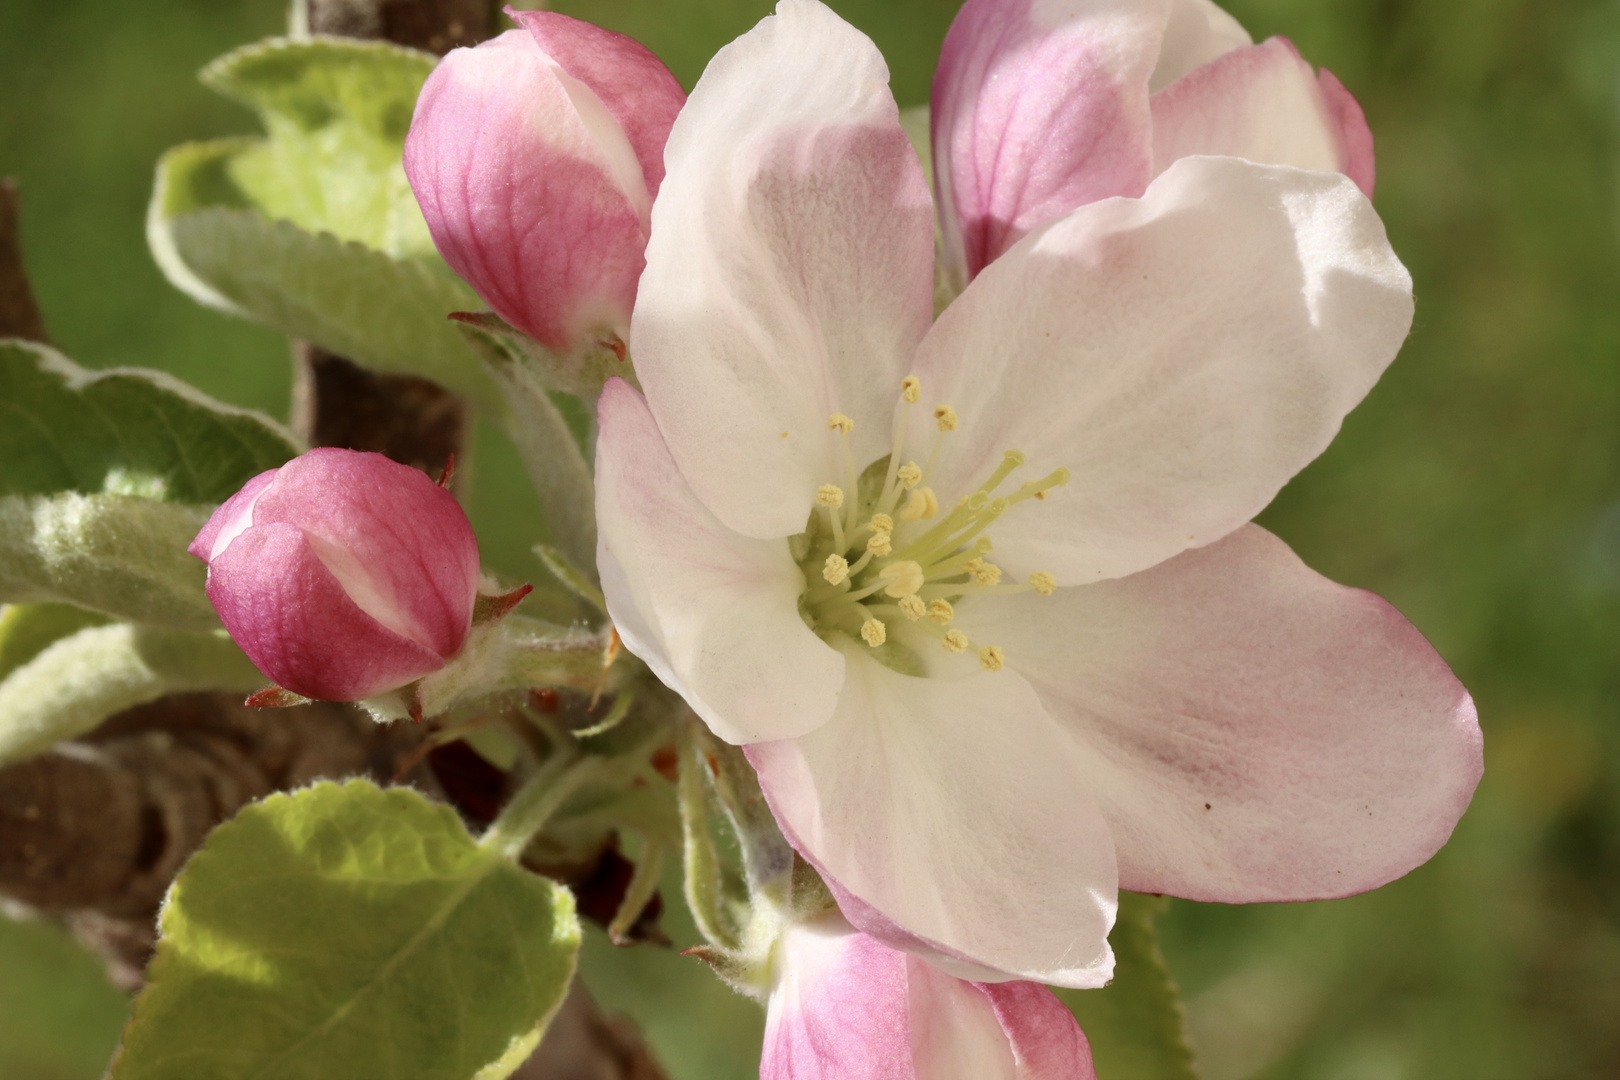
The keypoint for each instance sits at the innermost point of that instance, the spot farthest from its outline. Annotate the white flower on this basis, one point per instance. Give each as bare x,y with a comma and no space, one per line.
975,758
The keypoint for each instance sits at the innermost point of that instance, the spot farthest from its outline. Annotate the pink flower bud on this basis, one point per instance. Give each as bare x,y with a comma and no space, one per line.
535,158
845,1007
342,574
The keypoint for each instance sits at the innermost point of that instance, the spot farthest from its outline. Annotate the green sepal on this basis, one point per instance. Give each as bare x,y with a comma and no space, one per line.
1136,1024
74,684
349,931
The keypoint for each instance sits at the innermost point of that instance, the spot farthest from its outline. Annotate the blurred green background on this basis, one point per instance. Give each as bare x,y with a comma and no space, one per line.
1478,488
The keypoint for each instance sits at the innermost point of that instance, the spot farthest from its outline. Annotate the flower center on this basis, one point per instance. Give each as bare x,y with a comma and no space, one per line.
880,553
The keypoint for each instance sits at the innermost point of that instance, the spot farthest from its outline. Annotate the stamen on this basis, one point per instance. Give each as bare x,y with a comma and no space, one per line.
874,633
946,417
840,423
1043,583
921,504
836,570
940,611
912,607
910,474
955,641
881,523
880,544
990,658
987,573
901,578
911,389
830,495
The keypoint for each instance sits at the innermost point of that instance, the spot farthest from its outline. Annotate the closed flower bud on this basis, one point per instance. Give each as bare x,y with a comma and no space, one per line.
535,158
846,1007
342,574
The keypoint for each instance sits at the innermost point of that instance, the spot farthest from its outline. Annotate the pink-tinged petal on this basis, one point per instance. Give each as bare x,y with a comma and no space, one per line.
399,544
955,811
790,271
838,1010
532,191
1198,31
297,624
1046,1040
1262,103
712,612
1354,134
1184,355
634,85
1253,731
233,516
1039,106
955,1033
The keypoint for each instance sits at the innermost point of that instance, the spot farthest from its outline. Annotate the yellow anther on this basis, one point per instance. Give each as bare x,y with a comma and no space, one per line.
910,475
882,523
839,422
986,573
835,570
1042,582
990,658
955,641
940,611
874,633
901,578
973,566
922,503
912,607
830,495
946,417
911,389
880,543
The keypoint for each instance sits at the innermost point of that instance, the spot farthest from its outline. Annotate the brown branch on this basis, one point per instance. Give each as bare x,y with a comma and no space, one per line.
19,315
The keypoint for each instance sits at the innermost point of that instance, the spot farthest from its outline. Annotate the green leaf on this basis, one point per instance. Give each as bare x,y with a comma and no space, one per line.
336,111
1135,1024
123,431
349,931
313,229
26,630
71,686
120,555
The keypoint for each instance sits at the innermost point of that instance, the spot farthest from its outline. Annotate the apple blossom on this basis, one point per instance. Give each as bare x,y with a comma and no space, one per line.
535,157
846,1007
342,574
1040,106
798,522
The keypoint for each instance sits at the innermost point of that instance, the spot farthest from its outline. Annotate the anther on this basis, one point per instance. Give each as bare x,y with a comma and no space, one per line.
902,578
882,523
874,633
1042,582
911,389
912,607
835,570
880,544
946,417
910,474
830,495
922,503
940,611
990,658
955,641
841,423
986,573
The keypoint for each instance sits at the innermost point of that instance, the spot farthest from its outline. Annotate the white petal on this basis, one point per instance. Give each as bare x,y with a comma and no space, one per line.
1253,731
1262,103
1197,33
954,811
713,613
1183,354
790,271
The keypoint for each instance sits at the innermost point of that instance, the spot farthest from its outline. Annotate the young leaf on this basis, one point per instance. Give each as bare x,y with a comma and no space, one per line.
1135,1024
26,630
124,432
71,686
349,931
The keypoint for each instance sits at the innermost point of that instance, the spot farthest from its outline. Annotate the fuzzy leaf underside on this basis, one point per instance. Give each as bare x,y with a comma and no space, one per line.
349,931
